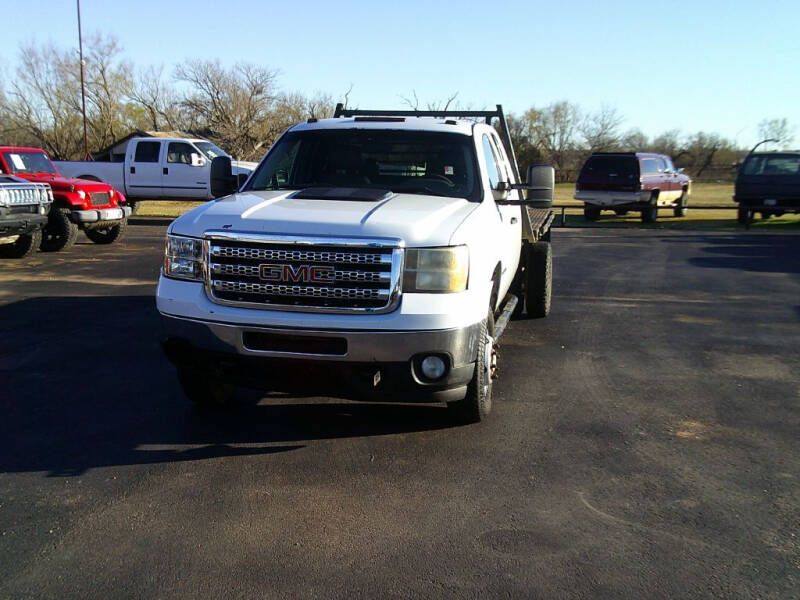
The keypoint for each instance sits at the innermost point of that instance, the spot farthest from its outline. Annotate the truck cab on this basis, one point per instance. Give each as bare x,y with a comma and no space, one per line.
381,248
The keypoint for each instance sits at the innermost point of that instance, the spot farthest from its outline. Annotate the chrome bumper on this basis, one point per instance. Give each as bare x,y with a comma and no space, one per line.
103,214
359,346
602,198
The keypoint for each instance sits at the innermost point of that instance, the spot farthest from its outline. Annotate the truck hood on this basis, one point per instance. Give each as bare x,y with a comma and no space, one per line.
64,184
416,219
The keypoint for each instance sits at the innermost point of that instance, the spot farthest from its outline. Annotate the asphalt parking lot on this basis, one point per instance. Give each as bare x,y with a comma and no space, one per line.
643,444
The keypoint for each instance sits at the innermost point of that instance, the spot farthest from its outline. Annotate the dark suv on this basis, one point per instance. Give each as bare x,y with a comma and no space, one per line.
766,180
624,181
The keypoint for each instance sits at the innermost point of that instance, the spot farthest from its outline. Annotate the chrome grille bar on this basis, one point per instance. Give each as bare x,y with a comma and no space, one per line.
276,272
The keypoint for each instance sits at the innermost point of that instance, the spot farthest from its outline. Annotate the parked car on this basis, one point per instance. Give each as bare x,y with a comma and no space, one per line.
385,247
171,168
96,208
768,183
628,181
23,214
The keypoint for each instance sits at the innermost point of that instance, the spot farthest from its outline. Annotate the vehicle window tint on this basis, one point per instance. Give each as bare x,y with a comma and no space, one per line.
616,166
411,162
180,152
649,166
147,152
773,165
491,162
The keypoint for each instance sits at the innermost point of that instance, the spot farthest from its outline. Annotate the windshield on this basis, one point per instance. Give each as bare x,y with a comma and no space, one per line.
29,162
409,162
210,150
775,164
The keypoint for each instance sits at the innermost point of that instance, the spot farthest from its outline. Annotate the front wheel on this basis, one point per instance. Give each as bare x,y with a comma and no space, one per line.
204,389
743,216
108,235
590,212
23,246
60,232
682,208
477,404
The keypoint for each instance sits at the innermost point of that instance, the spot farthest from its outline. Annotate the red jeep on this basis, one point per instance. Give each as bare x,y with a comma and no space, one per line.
95,207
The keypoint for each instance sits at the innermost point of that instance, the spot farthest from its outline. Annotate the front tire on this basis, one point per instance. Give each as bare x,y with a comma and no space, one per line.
108,235
477,404
743,216
60,232
23,246
682,209
204,389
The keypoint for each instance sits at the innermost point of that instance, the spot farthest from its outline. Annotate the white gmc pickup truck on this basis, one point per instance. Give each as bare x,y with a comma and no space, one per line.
376,248
171,168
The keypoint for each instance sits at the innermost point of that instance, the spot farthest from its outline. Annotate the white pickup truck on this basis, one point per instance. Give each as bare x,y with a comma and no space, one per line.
376,249
172,168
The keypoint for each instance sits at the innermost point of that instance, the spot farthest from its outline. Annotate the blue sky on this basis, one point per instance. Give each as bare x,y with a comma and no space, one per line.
719,66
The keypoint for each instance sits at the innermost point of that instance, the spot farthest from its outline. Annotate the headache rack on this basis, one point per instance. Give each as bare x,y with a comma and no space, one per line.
536,222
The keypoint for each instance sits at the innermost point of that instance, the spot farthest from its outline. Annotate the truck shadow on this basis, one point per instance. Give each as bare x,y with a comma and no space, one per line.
749,252
83,384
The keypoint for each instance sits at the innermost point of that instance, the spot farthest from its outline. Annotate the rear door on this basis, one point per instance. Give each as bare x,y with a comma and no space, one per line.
652,174
143,164
180,177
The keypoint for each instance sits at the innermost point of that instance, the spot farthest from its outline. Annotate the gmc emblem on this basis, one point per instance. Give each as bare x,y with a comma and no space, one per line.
300,273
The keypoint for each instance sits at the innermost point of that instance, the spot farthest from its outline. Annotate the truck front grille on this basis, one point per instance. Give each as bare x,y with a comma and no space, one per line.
308,274
99,198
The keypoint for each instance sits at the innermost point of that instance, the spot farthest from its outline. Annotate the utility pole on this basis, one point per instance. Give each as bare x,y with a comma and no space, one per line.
83,87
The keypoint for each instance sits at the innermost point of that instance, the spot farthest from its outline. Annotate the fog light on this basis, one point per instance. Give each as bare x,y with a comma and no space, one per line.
433,367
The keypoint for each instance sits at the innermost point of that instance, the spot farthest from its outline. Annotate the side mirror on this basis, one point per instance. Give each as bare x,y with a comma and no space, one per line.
500,191
197,160
222,180
679,170
540,186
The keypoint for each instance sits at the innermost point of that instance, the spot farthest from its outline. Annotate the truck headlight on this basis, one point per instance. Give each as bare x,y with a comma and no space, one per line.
81,194
4,198
435,270
183,258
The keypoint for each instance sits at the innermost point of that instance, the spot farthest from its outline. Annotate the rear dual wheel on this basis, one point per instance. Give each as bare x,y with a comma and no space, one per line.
650,212
591,212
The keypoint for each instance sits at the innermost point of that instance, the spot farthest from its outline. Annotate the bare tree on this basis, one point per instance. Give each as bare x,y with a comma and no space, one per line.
555,131
776,129
634,140
235,104
600,130
158,100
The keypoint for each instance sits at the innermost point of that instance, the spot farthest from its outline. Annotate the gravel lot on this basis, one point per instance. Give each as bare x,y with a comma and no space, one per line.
644,444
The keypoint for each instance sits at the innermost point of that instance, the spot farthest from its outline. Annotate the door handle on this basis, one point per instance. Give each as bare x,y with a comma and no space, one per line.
133,170
166,171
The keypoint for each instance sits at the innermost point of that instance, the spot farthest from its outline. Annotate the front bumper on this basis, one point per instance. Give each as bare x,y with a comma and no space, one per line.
103,214
21,223
355,364
611,198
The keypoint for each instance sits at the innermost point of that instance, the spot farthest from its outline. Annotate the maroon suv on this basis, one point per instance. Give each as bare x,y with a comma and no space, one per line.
638,181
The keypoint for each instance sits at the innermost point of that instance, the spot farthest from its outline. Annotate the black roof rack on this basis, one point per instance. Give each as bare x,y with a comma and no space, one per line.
487,115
